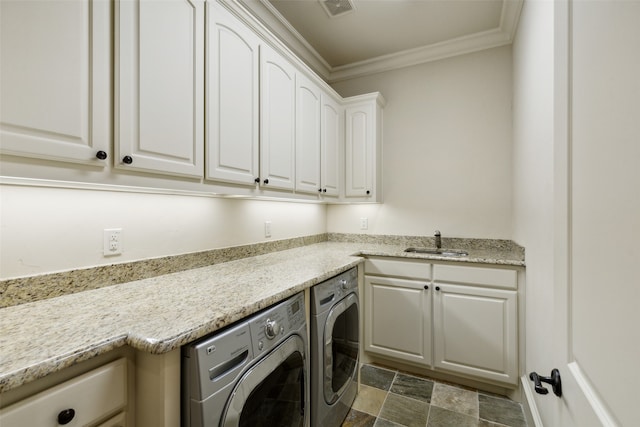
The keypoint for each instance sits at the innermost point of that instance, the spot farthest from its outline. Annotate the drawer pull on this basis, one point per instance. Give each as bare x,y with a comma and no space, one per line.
65,417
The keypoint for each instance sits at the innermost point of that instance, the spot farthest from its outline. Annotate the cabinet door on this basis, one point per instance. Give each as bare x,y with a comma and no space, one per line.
55,86
475,331
331,143
359,150
307,135
398,318
159,86
363,147
277,112
231,98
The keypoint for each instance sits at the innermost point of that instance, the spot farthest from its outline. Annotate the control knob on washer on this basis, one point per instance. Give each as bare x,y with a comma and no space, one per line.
271,328
343,285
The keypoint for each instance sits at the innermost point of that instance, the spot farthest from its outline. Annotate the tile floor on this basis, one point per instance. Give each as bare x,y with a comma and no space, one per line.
389,398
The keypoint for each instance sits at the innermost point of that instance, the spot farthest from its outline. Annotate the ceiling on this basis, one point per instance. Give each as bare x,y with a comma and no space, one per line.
378,35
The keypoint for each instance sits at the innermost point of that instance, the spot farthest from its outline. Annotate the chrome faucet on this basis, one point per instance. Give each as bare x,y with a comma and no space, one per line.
438,240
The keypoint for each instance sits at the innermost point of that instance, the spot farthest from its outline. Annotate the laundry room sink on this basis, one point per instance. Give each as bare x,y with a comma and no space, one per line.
435,251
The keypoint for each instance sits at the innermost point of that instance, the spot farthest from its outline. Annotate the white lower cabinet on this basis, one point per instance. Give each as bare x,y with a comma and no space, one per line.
458,319
398,318
85,400
475,331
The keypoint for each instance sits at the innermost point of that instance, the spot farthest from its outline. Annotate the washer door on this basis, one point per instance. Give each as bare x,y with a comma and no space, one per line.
340,347
273,392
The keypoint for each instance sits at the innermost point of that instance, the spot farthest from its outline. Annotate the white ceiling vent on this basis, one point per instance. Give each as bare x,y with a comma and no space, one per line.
336,8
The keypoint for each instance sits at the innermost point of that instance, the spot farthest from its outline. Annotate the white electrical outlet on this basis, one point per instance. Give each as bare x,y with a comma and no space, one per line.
267,229
112,241
364,223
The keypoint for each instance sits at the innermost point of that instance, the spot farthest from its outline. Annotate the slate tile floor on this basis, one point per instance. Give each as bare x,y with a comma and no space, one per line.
389,398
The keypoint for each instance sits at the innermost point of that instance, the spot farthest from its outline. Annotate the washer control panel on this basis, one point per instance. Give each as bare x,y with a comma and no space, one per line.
273,324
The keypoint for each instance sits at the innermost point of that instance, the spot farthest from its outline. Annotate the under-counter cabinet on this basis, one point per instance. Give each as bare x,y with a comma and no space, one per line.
232,96
159,86
98,397
463,319
56,101
397,310
475,321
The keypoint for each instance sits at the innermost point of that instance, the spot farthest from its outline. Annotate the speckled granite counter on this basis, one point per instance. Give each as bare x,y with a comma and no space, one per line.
162,313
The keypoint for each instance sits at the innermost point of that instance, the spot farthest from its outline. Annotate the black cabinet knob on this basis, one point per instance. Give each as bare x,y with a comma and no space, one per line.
127,160
65,417
368,192
324,190
319,190
266,181
426,286
437,288
101,155
257,180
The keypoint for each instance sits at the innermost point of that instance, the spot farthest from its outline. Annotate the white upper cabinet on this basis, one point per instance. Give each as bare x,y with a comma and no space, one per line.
277,112
363,147
232,94
149,90
160,86
307,136
55,80
332,145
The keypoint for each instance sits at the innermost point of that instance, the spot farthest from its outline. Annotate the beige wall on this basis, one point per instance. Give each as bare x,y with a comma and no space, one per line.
447,149
53,229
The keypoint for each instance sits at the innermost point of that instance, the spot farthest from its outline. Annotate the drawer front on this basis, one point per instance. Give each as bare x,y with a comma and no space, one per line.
92,396
494,277
398,268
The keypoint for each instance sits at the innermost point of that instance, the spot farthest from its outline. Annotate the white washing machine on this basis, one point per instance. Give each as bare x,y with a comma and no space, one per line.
254,373
335,348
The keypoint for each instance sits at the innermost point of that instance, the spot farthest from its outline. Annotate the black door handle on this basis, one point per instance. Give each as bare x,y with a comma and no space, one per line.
554,380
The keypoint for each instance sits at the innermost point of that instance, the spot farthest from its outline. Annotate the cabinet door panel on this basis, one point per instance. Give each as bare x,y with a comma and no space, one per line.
55,100
332,143
307,136
359,155
398,314
160,75
475,331
232,98
277,111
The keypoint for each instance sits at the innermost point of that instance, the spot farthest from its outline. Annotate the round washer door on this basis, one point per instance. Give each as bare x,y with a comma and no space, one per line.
341,347
273,392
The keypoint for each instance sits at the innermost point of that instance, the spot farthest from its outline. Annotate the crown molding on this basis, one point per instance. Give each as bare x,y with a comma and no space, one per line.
503,35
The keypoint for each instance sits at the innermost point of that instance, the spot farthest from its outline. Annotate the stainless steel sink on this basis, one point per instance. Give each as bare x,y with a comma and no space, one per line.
441,252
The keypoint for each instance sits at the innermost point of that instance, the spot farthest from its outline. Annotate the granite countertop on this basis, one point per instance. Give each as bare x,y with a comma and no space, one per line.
160,314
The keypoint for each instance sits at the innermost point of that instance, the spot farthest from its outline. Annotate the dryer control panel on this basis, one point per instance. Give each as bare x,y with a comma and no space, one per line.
324,295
